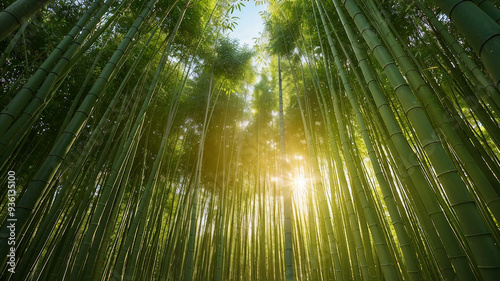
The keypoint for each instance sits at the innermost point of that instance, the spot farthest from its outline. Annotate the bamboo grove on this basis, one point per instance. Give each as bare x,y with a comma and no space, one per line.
356,140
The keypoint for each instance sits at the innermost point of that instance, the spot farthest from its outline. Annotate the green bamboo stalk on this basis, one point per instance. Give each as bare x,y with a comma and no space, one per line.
17,13
489,8
289,270
12,44
470,66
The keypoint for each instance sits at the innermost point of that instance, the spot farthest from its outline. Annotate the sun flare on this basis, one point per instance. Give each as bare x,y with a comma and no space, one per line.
300,185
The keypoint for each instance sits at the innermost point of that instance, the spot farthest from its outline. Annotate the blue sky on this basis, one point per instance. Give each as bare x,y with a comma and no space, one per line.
249,23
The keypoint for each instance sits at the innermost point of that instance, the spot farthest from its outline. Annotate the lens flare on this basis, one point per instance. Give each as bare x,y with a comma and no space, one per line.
300,185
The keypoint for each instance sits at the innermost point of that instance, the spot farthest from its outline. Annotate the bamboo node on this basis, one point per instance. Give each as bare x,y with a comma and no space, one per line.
447,172
477,234
14,16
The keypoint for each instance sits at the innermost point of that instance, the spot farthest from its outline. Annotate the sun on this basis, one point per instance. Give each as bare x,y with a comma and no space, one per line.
300,185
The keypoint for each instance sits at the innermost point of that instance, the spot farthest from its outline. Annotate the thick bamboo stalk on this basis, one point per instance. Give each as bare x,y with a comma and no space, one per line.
17,13
479,29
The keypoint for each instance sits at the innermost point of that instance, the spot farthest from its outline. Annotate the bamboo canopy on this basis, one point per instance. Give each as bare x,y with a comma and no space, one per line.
354,140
